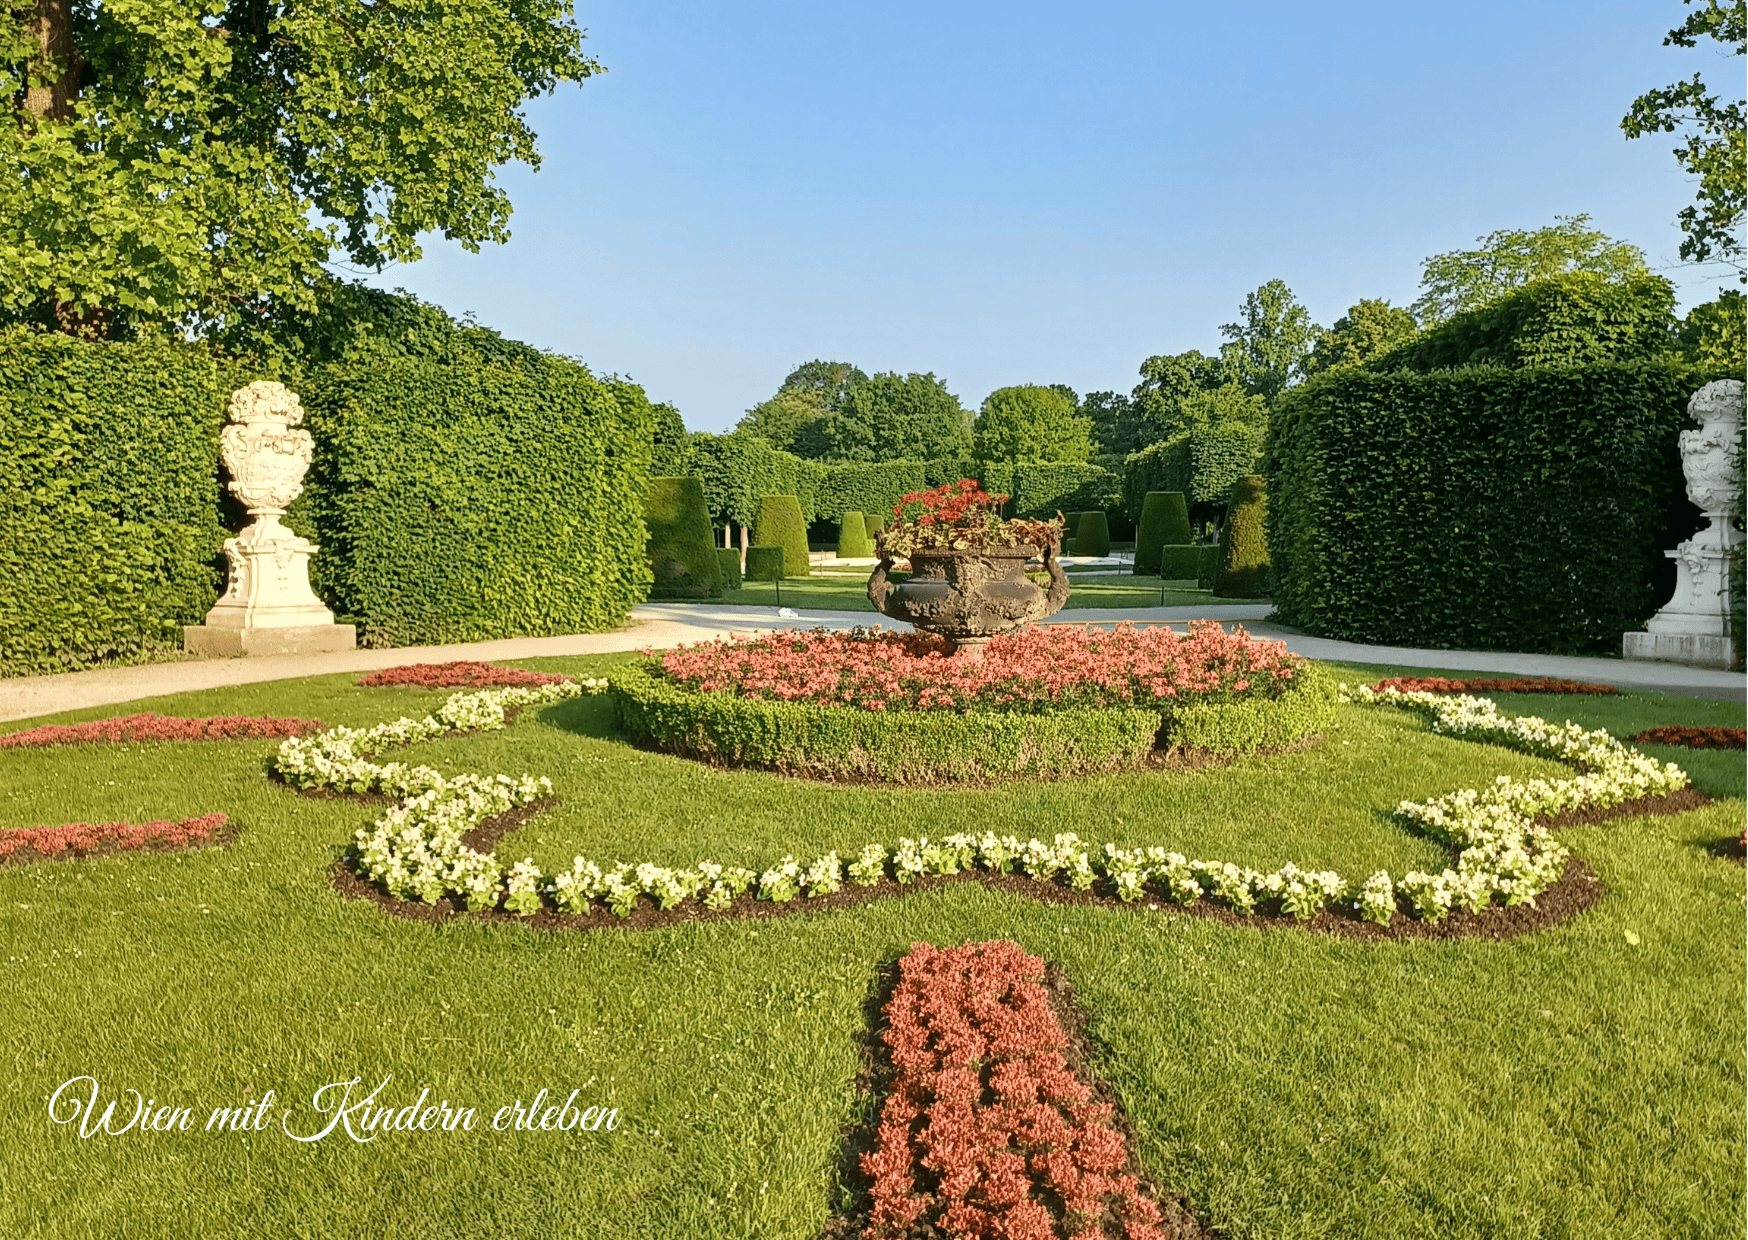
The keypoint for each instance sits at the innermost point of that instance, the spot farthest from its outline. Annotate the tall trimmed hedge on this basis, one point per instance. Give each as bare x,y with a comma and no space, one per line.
1165,521
109,498
682,555
1244,553
1483,508
1203,463
780,524
465,501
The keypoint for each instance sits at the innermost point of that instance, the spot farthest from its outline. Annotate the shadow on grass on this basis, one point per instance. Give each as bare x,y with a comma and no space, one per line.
590,716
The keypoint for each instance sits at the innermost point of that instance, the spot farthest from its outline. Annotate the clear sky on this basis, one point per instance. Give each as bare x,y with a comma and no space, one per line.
1044,193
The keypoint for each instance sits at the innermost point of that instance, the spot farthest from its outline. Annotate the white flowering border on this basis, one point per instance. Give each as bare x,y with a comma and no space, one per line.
415,851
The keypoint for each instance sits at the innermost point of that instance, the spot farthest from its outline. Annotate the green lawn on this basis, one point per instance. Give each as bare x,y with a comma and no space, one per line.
848,591
1573,1083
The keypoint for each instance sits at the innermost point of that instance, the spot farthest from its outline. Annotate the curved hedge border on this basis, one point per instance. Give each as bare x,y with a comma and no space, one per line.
800,738
416,851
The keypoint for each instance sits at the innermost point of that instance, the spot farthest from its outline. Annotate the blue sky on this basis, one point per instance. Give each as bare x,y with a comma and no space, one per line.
1036,193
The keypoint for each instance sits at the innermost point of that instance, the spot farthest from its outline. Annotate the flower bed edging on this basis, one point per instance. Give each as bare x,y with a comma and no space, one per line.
150,727
1505,684
416,851
1693,737
83,839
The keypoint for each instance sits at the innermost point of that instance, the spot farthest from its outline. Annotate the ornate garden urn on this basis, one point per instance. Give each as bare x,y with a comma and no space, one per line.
969,597
268,606
1694,626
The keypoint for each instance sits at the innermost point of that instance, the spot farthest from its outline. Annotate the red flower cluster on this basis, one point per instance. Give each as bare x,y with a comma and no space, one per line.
1512,684
83,838
1694,738
963,517
160,728
985,1107
460,675
1038,668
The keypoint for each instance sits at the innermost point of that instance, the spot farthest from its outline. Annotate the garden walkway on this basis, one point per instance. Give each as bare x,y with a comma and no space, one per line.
667,624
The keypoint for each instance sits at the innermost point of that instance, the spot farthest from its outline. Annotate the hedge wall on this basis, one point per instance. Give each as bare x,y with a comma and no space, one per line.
1044,490
1202,462
1483,508
109,498
469,501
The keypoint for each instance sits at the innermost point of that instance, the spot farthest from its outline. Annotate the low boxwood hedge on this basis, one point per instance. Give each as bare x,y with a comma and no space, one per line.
1180,562
841,743
728,562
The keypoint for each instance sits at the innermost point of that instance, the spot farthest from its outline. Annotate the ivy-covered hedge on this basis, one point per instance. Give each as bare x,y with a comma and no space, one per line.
469,501
940,746
1485,508
109,497
1044,490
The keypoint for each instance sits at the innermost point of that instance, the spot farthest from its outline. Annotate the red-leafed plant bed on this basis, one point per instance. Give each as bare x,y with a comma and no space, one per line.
459,675
987,1130
150,727
1507,684
84,839
1694,738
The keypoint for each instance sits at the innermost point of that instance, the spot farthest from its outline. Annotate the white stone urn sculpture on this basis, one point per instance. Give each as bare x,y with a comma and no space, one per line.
1694,626
268,606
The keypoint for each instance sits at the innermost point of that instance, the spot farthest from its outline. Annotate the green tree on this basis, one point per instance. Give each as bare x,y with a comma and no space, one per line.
1369,327
1228,404
1713,333
183,163
1713,149
1115,429
828,383
1031,424
892,417
1512,257
1157,402
1268,348
789,420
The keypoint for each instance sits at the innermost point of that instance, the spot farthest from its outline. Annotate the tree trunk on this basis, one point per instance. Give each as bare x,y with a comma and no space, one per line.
54,71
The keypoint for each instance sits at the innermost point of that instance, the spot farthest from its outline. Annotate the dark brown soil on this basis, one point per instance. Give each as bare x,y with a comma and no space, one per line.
224,837
874,1082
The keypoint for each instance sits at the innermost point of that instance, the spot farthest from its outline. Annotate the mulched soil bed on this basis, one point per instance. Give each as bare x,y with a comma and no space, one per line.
1576,890
224,836
874,1081
1511,684
1693,738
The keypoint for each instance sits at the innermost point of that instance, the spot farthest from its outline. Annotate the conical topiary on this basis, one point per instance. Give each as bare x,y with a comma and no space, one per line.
1244,552
875,521
682,555
1093,535
1070,525
728,558
779,524
853,540
1165,522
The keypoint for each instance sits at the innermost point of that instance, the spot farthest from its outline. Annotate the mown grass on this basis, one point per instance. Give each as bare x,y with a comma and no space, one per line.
1572,1083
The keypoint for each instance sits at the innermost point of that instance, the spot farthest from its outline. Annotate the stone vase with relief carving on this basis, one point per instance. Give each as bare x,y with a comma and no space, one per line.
1694,626
267,606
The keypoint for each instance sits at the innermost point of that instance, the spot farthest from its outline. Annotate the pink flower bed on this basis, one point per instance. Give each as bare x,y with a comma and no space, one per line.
150,727
459,675
1037,668
82,838
986,1122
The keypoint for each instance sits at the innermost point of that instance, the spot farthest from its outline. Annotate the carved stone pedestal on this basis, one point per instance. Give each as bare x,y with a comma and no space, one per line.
268,607
1694,627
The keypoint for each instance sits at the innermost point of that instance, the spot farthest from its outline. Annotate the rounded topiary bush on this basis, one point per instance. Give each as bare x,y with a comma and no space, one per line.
682,556
728,558
1244,552
765,563
1165,522
779,524
853,540
1093,535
